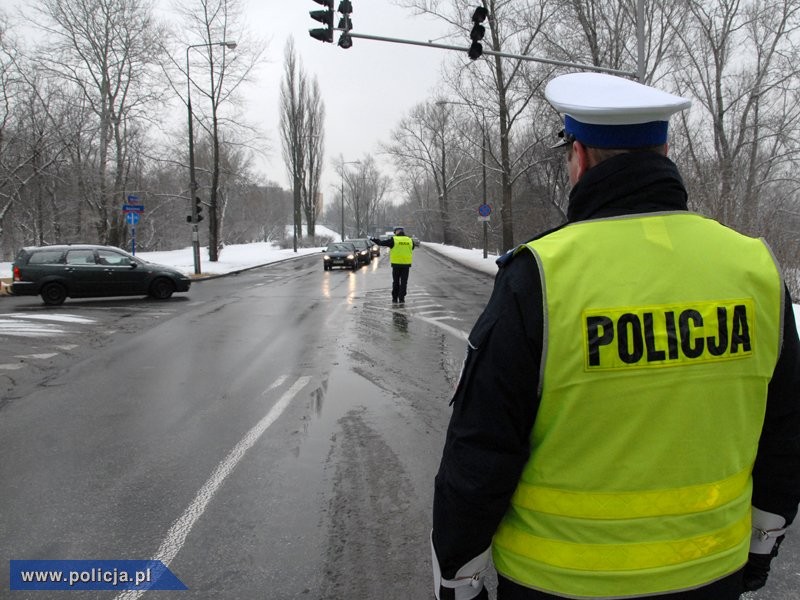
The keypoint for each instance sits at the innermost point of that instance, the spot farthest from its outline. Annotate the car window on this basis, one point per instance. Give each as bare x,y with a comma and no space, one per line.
46,257
109,257
80,257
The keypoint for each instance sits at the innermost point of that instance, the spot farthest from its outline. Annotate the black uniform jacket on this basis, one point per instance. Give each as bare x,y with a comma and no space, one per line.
495,402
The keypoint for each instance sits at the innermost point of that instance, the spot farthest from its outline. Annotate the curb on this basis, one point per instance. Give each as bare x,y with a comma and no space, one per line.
202,277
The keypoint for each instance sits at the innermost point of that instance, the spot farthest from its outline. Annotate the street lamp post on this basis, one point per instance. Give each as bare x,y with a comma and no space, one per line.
354,162
192,178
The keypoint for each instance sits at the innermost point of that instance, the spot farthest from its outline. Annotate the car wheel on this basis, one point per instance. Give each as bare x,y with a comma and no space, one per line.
355,265
161,288
53,294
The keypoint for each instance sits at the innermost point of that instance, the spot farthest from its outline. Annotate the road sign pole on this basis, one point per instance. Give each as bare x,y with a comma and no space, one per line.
196,248
485,239
133,240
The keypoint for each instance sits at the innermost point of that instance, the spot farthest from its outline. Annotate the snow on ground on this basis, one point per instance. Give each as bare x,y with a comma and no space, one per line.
232,258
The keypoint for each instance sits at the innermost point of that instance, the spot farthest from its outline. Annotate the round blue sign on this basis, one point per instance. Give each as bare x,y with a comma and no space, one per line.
484,210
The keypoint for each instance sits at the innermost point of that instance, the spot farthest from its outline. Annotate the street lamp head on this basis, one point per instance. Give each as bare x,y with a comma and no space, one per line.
229,45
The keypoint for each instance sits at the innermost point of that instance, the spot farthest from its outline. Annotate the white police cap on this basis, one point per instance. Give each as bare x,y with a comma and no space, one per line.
605,111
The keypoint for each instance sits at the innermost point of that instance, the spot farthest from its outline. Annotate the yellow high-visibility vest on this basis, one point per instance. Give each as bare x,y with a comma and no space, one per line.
662,332
400,253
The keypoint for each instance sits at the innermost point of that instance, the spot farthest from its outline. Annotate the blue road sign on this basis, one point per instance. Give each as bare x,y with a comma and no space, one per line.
484,210
133,208
132,218
133,198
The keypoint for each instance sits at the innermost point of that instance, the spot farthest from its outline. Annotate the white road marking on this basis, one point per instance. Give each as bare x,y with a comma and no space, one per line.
59,318
176,536
11,366
456,332
39,356
24,329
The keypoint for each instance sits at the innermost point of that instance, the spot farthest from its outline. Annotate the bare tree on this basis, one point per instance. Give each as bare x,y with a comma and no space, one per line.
503,86
425,140
105,49
740,65
218,27
302,124
368,187
314,143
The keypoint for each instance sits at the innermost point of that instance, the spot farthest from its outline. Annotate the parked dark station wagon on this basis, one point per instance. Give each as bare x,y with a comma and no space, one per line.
84,271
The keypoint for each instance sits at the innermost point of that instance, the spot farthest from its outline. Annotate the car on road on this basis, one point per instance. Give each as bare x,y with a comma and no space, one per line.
340,254
86,271
363,248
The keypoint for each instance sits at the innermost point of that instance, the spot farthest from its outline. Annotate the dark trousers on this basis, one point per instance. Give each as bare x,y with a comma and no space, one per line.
728,588
399,282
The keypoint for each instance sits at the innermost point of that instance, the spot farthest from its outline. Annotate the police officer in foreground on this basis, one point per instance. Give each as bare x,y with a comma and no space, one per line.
627,423
401,247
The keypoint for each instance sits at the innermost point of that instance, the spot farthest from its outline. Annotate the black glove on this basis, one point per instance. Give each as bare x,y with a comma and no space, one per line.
756,569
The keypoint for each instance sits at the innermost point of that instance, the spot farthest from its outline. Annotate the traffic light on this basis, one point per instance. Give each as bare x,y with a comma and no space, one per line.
477,33
345,24
197,208
326,18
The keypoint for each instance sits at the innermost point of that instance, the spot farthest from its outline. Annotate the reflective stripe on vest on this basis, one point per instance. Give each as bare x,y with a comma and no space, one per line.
661,336
400,253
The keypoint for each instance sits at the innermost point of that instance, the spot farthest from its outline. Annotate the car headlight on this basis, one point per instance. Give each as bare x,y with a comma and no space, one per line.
350,256
326,258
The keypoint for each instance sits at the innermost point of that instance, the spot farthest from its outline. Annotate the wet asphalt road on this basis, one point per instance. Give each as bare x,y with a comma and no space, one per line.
272,434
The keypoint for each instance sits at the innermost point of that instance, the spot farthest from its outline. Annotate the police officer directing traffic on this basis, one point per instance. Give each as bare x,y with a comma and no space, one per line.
627,422
401,248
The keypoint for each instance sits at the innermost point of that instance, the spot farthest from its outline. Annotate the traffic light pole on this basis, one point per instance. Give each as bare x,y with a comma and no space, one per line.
465,49
192,178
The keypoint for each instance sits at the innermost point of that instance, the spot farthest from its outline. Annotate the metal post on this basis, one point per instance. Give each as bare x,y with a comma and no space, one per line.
192,179
483,165
342,199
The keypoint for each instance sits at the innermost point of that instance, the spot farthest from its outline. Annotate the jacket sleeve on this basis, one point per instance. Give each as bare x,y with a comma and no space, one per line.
388,243
776,473
494,407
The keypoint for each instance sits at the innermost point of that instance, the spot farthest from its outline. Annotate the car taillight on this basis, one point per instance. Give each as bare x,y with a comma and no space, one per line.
17,276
